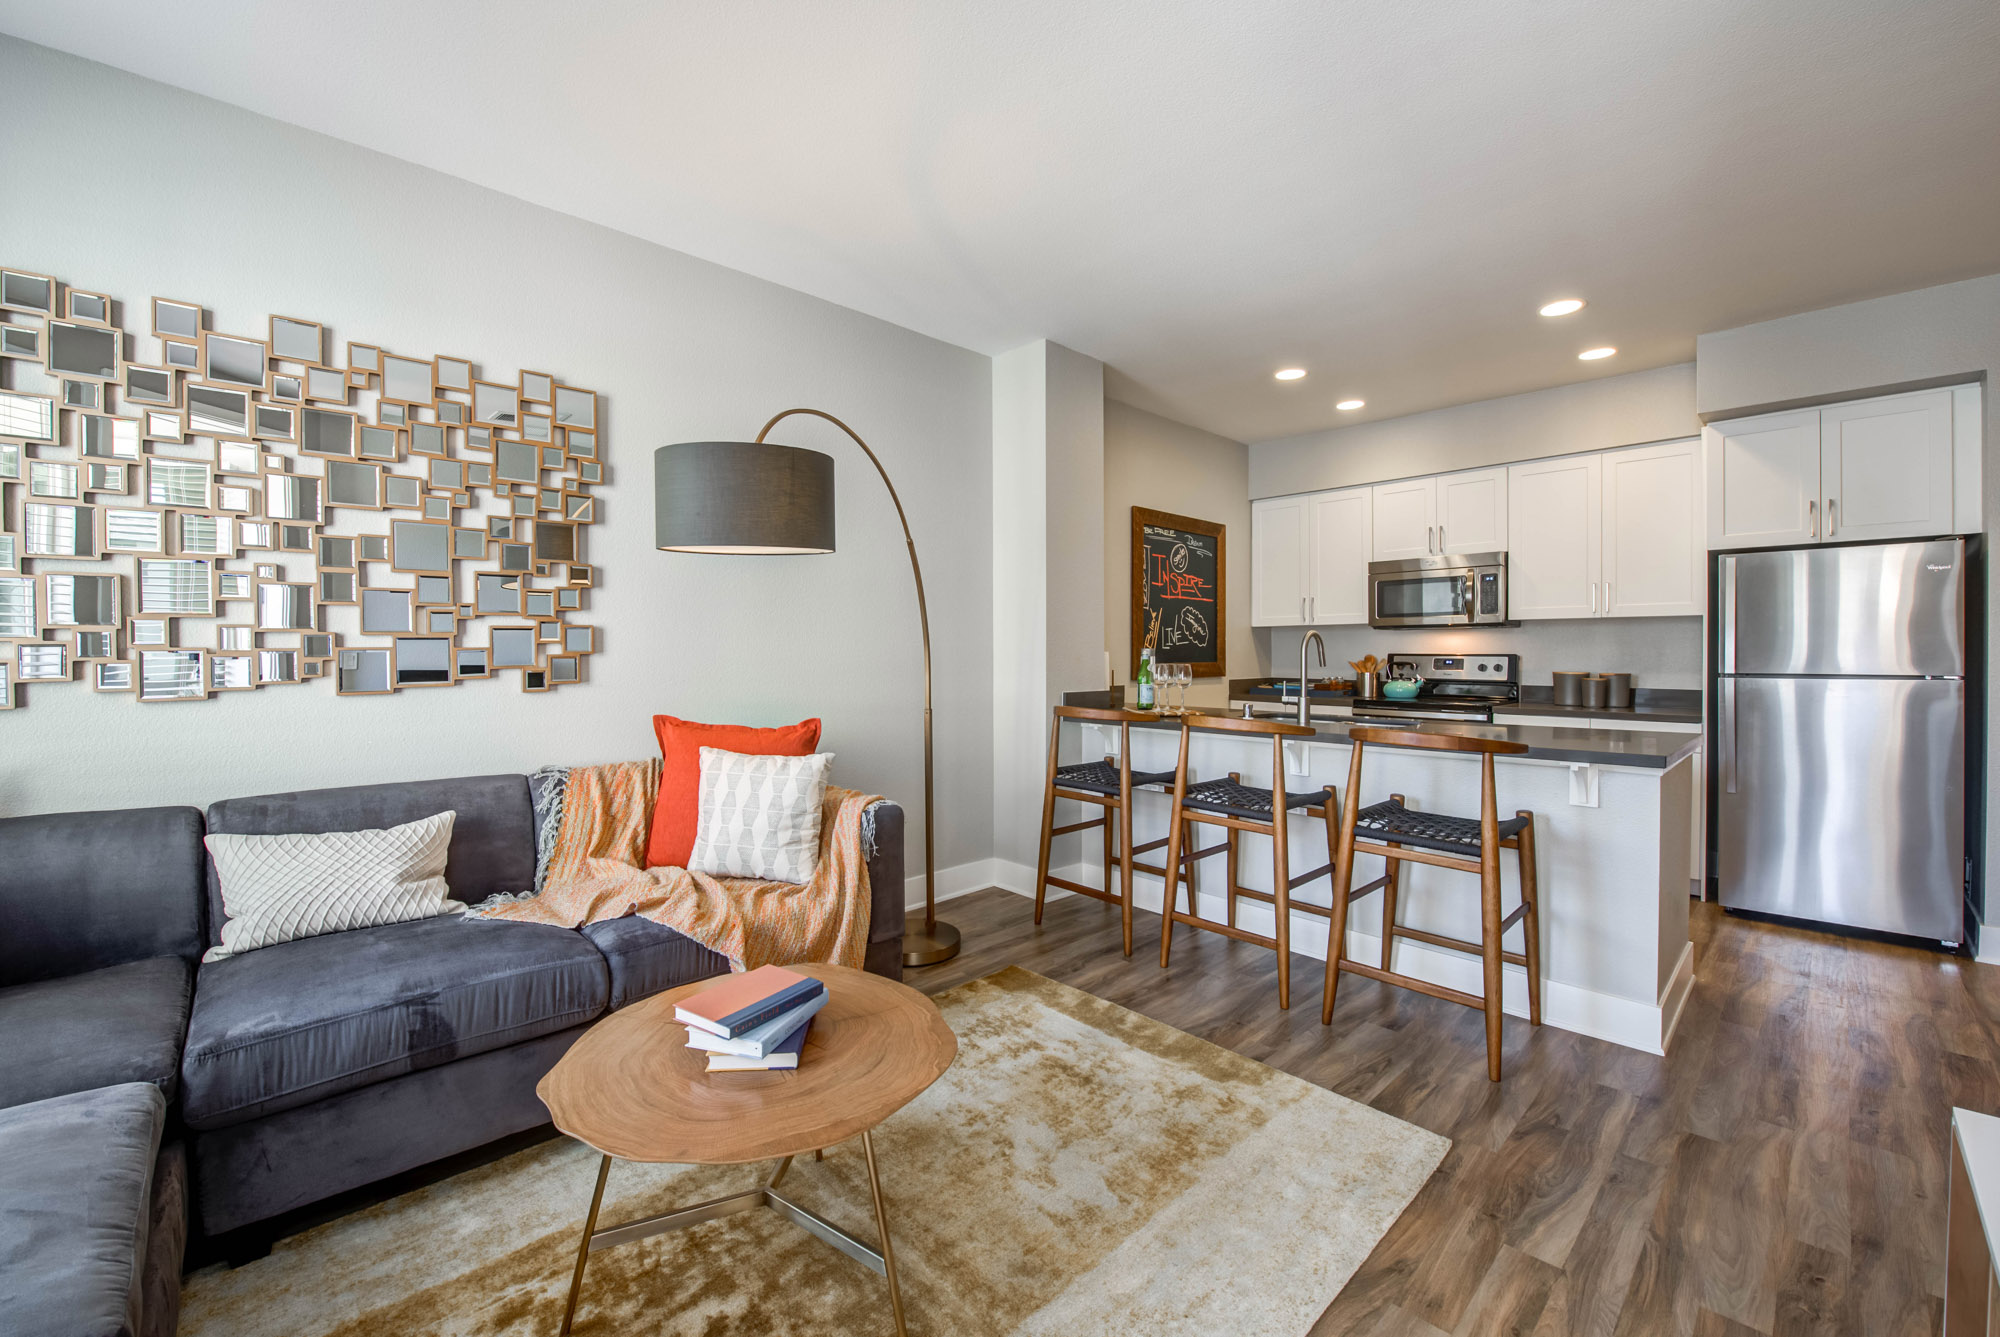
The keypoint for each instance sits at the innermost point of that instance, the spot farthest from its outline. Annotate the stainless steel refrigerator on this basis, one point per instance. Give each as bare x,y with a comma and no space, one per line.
1840,720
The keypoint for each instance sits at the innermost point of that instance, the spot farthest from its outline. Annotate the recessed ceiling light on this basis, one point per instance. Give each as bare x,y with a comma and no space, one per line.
1292,374
1349,405
1567,306
1592,354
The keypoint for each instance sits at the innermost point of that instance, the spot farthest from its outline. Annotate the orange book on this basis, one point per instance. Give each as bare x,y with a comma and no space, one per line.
736,1003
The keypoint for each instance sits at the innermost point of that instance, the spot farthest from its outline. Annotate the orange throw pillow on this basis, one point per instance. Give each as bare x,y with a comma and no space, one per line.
681,742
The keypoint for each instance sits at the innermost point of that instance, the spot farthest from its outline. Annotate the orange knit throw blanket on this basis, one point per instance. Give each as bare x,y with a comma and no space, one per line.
597,871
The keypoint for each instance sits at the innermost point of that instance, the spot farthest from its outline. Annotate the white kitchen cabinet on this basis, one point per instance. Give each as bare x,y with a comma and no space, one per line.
1885,467
1654,557
1555,524
1472,511
1871,469
1405,519
1341,529
1447,513
1763,481
1279,546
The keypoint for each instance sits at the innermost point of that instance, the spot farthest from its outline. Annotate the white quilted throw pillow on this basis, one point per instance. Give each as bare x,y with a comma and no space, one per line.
278,888
759,816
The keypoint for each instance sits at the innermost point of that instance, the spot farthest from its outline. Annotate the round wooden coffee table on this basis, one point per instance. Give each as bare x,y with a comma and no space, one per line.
632,1089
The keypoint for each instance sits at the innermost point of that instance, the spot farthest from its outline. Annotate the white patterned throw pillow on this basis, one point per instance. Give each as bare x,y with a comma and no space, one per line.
759,816
278,888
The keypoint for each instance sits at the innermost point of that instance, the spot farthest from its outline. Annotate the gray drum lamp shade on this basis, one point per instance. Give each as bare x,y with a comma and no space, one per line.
742,497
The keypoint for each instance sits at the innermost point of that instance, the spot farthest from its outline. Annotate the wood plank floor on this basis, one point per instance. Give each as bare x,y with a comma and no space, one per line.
1781,1171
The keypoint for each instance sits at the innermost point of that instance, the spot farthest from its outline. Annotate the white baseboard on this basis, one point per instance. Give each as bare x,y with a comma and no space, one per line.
1989,945
1621,1021
958,880
1673,998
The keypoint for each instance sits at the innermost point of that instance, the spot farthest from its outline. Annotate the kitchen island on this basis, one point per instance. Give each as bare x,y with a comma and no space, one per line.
1611,827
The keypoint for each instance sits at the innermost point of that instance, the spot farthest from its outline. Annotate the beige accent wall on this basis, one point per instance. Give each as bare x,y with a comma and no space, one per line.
1640,406
1164,465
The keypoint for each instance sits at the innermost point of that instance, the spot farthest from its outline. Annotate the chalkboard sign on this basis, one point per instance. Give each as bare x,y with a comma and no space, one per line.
1179,576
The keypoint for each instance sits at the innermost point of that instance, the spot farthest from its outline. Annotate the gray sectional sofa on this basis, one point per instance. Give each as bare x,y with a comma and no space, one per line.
292,1074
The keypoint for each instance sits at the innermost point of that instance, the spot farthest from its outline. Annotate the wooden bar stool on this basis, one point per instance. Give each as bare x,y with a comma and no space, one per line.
1108,786
1401,835
1238,808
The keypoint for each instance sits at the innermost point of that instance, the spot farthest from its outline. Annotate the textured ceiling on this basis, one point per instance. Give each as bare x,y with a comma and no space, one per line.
1197,194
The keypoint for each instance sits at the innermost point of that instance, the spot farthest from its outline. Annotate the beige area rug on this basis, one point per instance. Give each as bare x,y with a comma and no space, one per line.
1081,1170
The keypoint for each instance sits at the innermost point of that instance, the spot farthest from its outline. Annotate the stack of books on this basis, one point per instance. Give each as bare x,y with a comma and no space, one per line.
753,1022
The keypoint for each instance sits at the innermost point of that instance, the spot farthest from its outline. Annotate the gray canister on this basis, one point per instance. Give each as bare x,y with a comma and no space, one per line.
1568,688
1621,690
1597,691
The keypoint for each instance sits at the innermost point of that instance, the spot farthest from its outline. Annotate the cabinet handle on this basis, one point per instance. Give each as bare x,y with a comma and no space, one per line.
1812,519
1593,598
1607,598
1312,607
1302,608
1830,525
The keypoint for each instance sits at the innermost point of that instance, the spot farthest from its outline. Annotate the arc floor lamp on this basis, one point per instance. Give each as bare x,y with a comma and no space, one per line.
762,498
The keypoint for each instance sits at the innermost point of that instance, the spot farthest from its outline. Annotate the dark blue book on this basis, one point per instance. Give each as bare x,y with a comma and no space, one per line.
783,1056
738,1003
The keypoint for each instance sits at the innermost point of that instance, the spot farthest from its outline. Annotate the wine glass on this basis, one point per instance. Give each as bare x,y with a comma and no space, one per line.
1183,675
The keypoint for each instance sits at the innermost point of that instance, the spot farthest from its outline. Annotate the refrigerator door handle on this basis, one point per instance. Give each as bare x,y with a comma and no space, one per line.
1726,735
1728,655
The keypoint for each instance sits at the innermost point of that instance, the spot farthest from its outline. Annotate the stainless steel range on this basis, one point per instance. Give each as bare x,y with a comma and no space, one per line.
1454,687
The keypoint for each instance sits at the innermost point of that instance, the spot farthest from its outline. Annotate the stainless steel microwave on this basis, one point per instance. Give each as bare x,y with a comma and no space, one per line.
1457,590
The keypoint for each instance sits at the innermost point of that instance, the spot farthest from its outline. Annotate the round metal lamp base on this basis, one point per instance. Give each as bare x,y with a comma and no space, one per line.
928,949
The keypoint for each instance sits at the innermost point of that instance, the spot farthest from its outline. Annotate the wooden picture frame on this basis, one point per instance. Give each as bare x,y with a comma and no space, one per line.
180,330
1180,589
288,327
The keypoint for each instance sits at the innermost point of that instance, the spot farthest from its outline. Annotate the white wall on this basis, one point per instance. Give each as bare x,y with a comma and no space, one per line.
1164,465
1889,343
136,189
1048,588
1656,405
1656,651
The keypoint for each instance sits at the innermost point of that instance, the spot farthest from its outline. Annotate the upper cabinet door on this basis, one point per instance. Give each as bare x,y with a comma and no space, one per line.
1763,481
1405,519
1278,550
1885,467
1555,518
1472,511
1342,539
1653,550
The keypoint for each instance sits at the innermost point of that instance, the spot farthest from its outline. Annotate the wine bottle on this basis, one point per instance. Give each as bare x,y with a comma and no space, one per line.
1144,682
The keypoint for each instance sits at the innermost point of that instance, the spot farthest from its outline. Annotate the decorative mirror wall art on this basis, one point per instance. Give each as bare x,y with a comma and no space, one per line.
187,511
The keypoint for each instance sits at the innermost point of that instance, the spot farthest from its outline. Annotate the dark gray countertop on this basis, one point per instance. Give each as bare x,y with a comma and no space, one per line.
1656,714
1663,706
1602,747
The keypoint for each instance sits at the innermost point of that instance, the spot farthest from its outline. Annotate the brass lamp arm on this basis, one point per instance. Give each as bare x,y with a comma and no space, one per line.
924,621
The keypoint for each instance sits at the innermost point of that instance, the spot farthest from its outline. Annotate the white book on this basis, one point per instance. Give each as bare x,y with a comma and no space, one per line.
732,1063
759,1042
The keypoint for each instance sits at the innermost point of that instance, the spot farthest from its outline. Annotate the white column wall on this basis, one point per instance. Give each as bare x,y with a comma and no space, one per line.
1048,573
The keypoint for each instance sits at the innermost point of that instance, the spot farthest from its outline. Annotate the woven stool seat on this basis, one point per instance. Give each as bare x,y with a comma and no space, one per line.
1101,777
1232,799
1391,821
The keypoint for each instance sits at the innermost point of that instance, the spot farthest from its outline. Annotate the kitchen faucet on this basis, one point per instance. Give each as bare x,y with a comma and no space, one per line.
1305,693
